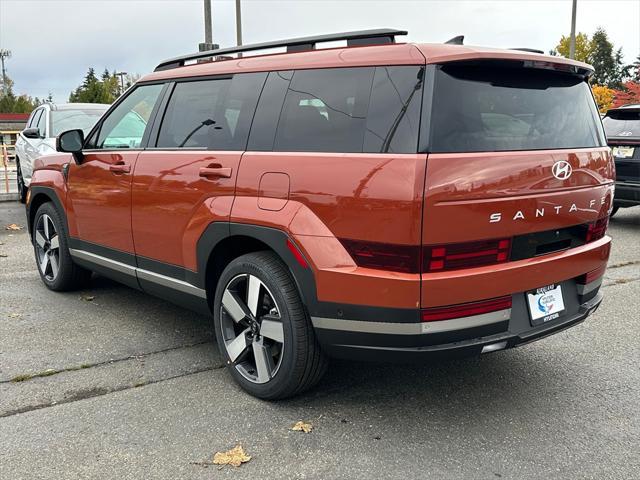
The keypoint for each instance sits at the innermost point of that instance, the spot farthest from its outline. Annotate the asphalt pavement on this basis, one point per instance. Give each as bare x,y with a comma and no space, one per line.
108,382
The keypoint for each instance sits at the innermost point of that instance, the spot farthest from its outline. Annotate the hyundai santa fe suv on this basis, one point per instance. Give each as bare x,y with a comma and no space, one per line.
380,200
39,137
622,127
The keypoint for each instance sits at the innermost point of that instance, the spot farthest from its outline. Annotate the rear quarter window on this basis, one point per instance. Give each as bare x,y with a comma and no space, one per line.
481,109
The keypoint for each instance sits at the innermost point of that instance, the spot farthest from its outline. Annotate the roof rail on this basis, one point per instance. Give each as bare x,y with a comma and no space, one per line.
530,50
459,40
357,38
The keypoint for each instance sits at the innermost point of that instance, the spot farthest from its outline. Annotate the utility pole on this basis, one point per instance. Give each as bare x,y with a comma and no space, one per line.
121,75
208,35
572,42
4,54
238,25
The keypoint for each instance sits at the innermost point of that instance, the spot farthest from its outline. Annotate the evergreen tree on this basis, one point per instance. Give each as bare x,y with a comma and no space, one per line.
609,68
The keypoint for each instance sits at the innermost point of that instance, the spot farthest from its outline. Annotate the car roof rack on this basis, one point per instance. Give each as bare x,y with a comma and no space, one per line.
530,50
357,38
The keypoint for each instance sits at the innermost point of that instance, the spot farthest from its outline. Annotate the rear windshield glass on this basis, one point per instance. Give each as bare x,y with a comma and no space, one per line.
63,120
482,109
622,123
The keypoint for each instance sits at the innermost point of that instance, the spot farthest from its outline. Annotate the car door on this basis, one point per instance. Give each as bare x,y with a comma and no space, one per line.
187,178
99,186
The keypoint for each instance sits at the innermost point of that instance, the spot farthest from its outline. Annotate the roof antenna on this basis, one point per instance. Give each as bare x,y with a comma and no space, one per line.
455,40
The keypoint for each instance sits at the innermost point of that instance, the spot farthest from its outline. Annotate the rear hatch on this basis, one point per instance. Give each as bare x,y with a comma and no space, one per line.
622,126
518,165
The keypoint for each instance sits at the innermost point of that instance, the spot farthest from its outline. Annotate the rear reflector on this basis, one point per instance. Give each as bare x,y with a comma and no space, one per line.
466,309
592,275
455,256
296,253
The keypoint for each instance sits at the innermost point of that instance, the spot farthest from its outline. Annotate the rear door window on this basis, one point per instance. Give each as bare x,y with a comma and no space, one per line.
325,110
622,123
480,108
211,114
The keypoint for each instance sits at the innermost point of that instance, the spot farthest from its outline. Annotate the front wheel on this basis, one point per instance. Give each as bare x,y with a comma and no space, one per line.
262,328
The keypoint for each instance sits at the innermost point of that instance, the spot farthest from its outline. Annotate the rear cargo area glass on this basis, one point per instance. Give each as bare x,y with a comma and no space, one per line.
480,108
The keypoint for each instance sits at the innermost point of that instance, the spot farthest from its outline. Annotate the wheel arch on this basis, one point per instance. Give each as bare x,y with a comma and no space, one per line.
222,242
39,196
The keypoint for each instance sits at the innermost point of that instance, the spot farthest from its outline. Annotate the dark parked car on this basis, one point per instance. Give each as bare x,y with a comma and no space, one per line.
622,126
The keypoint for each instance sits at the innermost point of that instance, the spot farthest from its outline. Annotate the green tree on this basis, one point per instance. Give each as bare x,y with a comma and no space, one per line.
584,47
12,103
609,68
635,70
94,90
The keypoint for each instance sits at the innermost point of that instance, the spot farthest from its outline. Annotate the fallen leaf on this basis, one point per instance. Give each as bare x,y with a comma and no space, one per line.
14,315
88,298
302,427
3,255
235,457
13,226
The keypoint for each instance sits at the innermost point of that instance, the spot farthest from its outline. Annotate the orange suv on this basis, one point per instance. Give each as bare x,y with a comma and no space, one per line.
379,200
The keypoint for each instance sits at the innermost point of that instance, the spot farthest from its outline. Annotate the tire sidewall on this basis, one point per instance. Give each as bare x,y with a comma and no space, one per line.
283,377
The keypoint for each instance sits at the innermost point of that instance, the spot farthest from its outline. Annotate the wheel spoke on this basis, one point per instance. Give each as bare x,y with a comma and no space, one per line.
253,294
264,361
55,243
44,264
233,306
40,239
45,226
238,345
272,329
54,265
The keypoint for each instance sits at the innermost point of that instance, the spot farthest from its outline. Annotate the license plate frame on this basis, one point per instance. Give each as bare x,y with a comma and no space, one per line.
545,304
623,152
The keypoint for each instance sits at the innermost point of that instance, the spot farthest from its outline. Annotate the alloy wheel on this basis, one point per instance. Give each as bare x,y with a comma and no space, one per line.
252,328
47,243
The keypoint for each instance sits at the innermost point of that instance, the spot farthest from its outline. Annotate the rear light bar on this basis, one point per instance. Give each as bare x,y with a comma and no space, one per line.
596,230
592,275
384,256
466,255
466,309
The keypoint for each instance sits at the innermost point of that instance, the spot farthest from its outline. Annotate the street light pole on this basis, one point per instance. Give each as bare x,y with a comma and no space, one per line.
4,54
121,75
238,25
572,41
208,38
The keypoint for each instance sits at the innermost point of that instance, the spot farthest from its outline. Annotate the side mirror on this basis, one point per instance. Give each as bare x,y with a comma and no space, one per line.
70,141
31,133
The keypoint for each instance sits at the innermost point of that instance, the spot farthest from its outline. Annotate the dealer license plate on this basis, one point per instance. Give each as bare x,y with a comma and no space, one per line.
545,304
623,152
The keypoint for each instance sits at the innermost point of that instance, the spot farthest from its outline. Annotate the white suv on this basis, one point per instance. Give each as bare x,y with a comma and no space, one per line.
44,125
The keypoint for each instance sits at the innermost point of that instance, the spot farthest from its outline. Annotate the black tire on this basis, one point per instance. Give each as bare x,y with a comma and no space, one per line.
302,363
69,276
614,211
22,188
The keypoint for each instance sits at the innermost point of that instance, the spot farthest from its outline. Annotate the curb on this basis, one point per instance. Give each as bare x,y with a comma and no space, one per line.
8,197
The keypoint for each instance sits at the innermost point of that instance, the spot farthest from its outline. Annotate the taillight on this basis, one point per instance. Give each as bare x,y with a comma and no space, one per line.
466,255
592,275
466,309
597,229
384,256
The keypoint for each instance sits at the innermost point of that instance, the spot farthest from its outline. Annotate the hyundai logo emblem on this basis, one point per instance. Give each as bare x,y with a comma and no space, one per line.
561,170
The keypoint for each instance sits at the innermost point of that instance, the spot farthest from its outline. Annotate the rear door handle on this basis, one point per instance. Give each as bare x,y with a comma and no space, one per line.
215,172
120,167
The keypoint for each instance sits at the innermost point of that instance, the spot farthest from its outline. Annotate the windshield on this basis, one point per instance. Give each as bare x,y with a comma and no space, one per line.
84,119
621,123
484,108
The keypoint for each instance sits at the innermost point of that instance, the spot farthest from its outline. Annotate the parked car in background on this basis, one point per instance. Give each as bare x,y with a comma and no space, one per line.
375,201
44,125
622,127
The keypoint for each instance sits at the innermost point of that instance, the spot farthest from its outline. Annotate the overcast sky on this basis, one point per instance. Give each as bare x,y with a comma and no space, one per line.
55,41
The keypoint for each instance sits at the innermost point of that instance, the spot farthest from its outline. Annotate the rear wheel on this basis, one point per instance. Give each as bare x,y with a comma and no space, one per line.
263,331
56,268
22,188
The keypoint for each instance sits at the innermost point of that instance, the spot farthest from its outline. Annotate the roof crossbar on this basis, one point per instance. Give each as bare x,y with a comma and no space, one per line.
357,38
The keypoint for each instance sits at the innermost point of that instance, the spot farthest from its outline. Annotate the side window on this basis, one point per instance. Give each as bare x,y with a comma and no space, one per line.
126,124
393,120
35,118
211,114
42,123
325,110
265,121
30,122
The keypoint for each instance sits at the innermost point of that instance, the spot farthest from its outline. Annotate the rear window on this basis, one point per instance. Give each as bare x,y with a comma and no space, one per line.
621,123
84,119
478,108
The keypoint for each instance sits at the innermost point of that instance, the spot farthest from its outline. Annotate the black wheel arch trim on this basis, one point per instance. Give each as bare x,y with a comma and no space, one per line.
52,195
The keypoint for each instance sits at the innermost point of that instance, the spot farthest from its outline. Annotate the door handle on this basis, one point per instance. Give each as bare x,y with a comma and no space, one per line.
120,167
215,172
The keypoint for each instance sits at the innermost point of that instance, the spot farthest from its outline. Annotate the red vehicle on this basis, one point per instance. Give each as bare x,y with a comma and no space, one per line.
375,201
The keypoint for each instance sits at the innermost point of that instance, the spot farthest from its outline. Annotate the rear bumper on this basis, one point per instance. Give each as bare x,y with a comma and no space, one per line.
413,342
627,194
